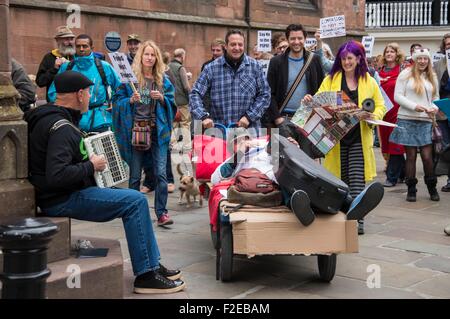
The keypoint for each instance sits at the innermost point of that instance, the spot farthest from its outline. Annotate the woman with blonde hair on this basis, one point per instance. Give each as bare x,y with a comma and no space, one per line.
391,62
143,122
416,89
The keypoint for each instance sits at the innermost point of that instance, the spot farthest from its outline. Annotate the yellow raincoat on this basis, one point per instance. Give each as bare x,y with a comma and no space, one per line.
367,88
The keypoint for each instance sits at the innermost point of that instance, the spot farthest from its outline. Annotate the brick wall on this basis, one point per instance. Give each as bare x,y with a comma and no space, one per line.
171,24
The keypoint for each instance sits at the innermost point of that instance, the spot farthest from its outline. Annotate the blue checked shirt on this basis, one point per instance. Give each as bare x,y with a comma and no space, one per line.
233,94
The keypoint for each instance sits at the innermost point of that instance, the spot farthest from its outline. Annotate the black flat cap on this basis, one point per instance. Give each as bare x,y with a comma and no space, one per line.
71,81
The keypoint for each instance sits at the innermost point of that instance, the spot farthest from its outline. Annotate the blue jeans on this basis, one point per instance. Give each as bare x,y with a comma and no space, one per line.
158,155
149,179
105,204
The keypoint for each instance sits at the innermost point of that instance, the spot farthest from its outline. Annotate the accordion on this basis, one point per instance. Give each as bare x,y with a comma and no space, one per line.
105,144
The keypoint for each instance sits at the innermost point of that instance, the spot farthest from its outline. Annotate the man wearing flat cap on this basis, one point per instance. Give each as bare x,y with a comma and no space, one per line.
51,62
63,175
133,43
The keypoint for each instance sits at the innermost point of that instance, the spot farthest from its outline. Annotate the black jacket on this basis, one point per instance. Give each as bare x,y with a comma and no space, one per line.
47,71
58,163
23,84
278,76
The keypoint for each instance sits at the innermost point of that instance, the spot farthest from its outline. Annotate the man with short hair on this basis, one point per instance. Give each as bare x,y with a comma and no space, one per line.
63,176
98,118
51,62
409,61
217,49
23,85
182,90
283,71
238,89
133,43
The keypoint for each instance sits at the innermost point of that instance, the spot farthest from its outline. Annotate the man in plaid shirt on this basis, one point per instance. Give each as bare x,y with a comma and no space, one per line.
238,88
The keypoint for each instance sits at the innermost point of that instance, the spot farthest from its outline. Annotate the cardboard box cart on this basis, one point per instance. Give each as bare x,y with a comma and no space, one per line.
251,231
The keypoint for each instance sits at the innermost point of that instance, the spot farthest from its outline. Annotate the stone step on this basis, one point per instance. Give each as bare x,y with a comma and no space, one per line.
101,277
16,199
59,247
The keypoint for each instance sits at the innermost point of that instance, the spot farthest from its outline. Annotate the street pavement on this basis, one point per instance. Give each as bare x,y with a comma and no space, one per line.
404,241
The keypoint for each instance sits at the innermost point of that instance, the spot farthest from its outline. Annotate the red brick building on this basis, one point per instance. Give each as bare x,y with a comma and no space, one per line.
191,24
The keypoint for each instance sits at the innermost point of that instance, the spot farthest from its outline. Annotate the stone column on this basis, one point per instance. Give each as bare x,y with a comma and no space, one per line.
16,193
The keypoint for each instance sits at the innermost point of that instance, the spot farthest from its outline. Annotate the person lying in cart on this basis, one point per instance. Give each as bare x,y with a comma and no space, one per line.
248,153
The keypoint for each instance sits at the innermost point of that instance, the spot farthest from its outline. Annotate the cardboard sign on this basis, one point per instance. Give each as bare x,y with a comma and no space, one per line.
332,27
310,42
264,41
122,66
447,55
368,43
437,56
265,66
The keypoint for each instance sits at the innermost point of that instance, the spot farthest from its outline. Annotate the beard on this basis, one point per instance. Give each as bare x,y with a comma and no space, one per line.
66,49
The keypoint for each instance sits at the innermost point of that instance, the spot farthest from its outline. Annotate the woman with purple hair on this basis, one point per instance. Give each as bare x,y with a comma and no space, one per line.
353,159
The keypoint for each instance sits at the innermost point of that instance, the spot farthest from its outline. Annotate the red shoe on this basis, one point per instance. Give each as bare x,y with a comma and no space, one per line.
164,220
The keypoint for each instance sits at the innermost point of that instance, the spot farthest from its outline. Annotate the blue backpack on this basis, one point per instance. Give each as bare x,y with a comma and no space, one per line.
97,117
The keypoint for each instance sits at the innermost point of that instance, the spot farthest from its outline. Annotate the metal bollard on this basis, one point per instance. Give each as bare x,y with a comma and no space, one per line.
24,244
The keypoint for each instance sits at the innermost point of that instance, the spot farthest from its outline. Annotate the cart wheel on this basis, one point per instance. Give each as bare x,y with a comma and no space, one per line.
327,267
214,237
226,252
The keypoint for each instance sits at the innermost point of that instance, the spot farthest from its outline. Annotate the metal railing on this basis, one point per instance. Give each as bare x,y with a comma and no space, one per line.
405,13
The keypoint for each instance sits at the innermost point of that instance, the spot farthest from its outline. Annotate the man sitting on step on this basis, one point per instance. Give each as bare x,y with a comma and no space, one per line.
63,175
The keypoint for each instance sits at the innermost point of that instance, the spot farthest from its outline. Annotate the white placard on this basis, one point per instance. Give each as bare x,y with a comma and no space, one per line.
122,66
368,43
310,42
437,56
447,55
265,65
332,27
264,41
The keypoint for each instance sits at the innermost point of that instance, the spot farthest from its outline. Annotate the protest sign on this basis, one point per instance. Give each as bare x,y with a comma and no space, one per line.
332,27
310,42
122,66
265,66
264,41
368,43
447,54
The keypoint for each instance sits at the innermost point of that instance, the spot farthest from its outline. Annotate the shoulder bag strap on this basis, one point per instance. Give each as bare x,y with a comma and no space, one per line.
296,82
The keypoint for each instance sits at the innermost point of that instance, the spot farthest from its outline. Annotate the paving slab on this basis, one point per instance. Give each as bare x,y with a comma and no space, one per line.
392,274
422,247
438,287
434,263
419,235
345,288
390,255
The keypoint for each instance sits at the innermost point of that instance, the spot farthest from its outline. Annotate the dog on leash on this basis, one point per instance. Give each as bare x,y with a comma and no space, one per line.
188,187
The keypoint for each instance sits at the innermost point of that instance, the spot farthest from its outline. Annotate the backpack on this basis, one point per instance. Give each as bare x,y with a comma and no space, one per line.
251,180
97,118
101,71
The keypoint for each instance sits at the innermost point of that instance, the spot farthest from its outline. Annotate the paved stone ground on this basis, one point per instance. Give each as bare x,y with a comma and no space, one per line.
405,239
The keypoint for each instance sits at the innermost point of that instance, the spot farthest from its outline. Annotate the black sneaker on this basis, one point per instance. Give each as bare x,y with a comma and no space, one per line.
154,283
301,206
169,273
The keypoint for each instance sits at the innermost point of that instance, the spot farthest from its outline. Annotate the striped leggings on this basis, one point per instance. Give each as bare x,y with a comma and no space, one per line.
352,168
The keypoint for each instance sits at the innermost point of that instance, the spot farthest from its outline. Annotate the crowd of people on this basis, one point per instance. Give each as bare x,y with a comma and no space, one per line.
84,94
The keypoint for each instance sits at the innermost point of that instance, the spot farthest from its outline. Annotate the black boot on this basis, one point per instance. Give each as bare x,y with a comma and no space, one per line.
431,182
412,190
